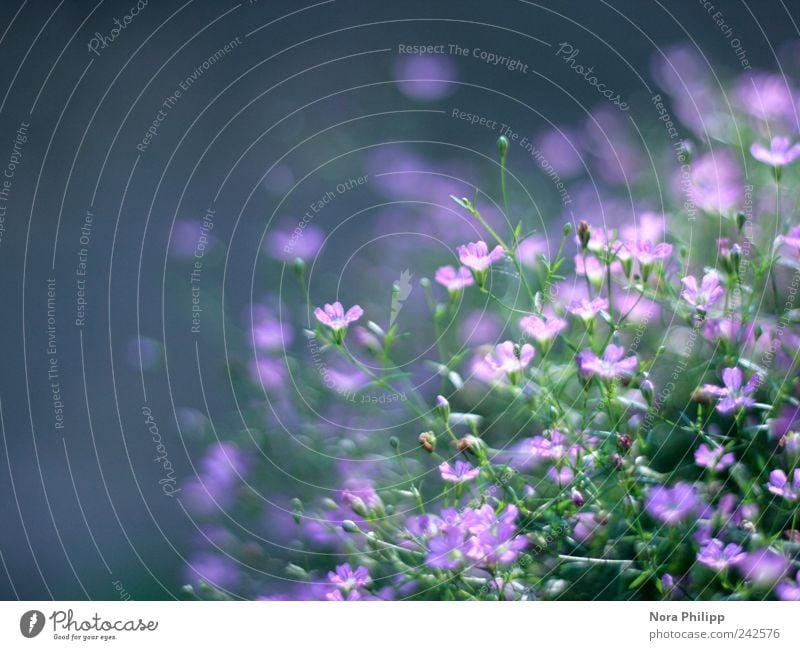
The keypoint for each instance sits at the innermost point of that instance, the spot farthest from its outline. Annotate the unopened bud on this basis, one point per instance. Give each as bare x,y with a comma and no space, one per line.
443,408
299,266
502,147
394,443
567,229
349,526
584,234
624,441
741,219
577,498
736,257
648,391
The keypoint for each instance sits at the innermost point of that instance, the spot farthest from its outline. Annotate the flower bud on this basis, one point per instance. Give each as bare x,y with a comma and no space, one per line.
647,389
567,229
394,443
299,266
577,498
443,408
584,234
349,526
427,441
502,147
741,219
624,441
736,257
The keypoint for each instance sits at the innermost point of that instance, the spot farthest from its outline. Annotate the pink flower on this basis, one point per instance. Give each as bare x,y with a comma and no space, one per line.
477,257
706,295
591,267
335,317
733,395
648,255
781,152
610,366
454,280
587,310
462,472
540,330
510,359
779,484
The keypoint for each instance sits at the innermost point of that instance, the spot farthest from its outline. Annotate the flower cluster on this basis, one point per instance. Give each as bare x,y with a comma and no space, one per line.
612,411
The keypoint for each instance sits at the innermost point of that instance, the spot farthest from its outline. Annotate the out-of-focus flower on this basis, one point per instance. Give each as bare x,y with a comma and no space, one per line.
611,366
764,567
447,551
779,484
734,395
673,505
268,332
648,255
510,358
337,319
427,77
781,152
288,243
704,296
592,268
346,579
718,556
476,255
540,330
454,280
461,473
713,458
766,96
714,184
587,310
789,589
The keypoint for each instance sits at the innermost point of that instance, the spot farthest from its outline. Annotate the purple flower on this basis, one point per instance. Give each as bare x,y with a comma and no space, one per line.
346,579
763,567
717,556
587,310
713,458
673,505
706,295
540,330
290,242
454,280
426,78
498,545
335,317
610,366
734,396
779,484
447,551
477,257
781,152
789,589
462,472
510,358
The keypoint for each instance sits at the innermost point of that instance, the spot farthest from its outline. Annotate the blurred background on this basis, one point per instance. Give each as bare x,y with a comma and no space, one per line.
165,163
